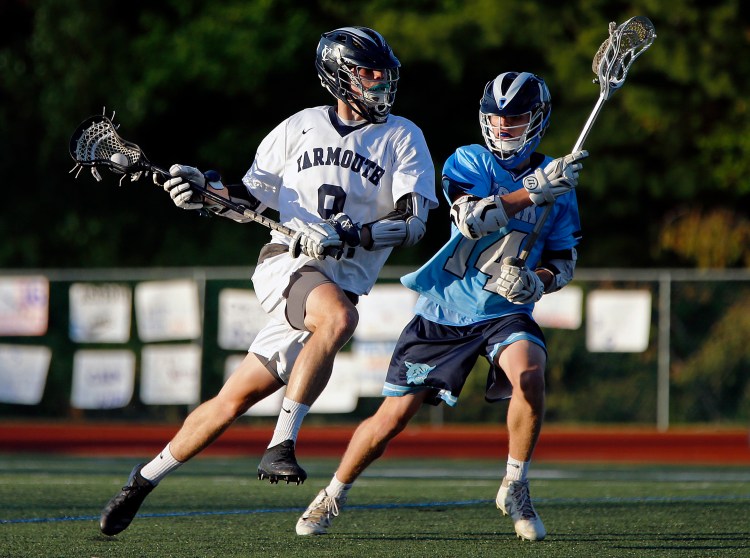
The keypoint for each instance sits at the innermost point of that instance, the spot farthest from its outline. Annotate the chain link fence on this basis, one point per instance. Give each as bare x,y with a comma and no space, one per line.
694,367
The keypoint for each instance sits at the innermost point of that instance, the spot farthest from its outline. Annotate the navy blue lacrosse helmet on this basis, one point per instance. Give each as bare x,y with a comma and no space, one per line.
515,94
342,53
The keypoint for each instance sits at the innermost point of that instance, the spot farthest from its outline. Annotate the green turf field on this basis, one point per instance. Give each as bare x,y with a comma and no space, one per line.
49,507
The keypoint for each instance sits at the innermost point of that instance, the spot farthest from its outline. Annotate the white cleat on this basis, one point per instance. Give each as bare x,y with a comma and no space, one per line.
319,514
513,499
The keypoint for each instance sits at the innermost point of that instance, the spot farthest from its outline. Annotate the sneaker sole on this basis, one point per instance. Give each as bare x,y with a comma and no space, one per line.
310,533
518,536
274,478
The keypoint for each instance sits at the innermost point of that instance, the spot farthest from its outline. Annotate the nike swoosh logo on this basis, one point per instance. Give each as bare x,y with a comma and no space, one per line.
305,131
283,409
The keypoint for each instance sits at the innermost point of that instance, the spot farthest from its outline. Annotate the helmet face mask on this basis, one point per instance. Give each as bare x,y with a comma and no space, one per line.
514,95
374,96
347,60
507,139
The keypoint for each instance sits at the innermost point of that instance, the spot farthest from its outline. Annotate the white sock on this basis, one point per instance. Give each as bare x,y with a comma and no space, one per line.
337,489
516,470
290,419
160,466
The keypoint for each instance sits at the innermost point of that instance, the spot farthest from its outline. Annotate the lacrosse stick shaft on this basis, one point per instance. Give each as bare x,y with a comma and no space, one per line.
229,204
534,235
242,210
589,124
336,253
250,214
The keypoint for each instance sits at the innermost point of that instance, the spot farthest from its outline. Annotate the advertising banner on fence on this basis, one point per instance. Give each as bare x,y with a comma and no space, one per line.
562,309
618,321
23,373
100,313
24,306
102,379
171,374
167,310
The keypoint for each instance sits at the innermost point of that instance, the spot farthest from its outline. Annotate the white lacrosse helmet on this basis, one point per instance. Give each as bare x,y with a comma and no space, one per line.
515,94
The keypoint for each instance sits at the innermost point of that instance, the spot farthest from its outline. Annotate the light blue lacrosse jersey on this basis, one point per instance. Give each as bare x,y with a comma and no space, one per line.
456,285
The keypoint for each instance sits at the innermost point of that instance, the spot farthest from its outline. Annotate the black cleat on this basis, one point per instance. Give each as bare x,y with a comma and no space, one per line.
279,463
120,510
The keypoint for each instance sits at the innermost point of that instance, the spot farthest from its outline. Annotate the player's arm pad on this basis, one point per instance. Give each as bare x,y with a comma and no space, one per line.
477,217
561,264
238,194
404,226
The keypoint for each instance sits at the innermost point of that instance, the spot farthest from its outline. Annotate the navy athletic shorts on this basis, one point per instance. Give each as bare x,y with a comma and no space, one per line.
440,357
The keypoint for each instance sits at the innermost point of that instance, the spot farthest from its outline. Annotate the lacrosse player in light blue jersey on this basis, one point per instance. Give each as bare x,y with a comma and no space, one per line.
472,303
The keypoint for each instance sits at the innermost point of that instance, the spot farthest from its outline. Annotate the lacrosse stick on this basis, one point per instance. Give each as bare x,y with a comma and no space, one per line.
612,61
96,143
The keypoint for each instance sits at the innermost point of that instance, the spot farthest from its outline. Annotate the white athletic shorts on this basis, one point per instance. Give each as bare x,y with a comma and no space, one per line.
277,346
271,279
282,284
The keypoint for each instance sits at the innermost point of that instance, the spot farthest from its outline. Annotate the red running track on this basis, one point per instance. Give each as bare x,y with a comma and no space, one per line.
635,445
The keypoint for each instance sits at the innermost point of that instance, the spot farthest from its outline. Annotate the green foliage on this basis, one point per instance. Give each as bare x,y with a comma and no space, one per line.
693,235
203,82
712,383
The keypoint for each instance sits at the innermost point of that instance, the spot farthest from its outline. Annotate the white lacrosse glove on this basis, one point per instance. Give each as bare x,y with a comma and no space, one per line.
519,285
180,189
316,240
558,177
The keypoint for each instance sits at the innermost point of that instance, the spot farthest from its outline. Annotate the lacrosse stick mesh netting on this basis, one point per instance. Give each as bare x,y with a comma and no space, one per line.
99,142
617,53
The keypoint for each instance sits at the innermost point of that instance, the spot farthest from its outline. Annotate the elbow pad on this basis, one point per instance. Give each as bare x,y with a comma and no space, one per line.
405,226
477,217
561,266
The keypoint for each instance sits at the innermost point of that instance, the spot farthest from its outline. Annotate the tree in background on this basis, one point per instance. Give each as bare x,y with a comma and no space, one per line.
716,238
202,82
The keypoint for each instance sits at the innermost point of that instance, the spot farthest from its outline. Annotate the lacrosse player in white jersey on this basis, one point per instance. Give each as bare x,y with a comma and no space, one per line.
471,304
355,182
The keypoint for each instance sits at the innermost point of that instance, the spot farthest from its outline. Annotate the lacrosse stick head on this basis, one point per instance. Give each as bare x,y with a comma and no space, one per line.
625,43
96,144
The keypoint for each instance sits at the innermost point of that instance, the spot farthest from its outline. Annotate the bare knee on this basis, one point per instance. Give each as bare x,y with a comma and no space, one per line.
389,424
228,409
345,321
531,384
230,405
338,322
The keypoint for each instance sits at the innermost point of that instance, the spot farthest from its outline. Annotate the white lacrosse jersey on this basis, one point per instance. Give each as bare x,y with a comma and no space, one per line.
311,167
